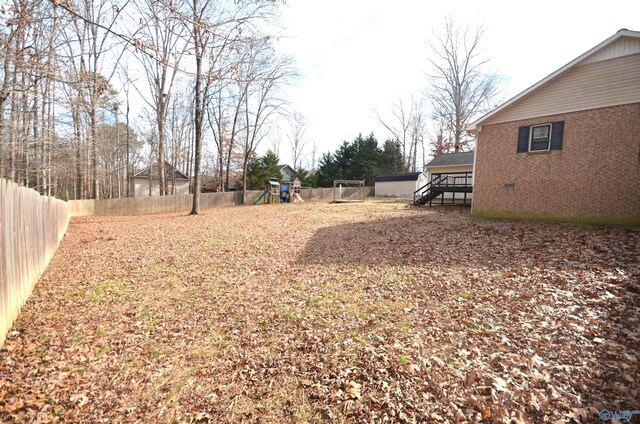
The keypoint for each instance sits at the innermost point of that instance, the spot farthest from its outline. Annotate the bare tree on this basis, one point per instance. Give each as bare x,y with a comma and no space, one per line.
406,125
441,141
461,88
417,132
89,43
213,32
296,136
162,35
314,155
225,112
268,73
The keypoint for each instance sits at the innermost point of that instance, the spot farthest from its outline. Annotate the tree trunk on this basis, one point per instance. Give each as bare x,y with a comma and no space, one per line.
78,162
128,167
199,109
4,95
162,183
13,132
94,151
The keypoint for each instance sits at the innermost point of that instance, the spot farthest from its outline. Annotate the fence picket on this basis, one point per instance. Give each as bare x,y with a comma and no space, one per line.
31,228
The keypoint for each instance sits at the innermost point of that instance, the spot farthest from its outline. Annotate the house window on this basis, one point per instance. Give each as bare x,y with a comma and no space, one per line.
540,138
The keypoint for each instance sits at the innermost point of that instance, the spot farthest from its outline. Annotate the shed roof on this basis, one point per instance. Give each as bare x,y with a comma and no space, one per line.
168,172
410,176
450,159
287,171
475,126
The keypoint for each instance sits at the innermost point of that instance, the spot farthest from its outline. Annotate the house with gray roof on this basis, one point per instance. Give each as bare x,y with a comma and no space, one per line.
568,147
147,182
456,168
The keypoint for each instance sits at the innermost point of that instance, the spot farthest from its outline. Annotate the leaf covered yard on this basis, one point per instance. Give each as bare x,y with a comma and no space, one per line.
373,312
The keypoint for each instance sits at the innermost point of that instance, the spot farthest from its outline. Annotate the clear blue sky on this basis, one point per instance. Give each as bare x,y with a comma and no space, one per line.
357,56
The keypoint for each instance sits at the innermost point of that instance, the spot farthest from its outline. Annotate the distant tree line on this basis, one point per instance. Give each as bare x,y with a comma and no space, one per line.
71,70
205,72
361,159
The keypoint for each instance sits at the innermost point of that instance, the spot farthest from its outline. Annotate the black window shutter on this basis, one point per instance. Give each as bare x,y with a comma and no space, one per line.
523,139
557,130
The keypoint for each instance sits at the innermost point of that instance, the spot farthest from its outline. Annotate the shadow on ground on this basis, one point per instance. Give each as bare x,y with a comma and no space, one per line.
565,295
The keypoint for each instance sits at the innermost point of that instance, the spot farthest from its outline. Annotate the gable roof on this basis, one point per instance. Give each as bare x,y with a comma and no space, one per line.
450,159
168,172
287,172
410,176
475,126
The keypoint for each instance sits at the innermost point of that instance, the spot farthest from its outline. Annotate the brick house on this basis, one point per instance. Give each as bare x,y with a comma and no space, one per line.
568,147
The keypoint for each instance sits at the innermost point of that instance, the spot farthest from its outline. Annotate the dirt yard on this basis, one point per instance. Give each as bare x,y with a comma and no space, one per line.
355,312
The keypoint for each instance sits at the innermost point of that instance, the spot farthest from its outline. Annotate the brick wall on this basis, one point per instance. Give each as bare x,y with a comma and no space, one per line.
596,175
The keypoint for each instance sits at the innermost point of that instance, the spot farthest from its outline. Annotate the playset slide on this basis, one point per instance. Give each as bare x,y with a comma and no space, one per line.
255,202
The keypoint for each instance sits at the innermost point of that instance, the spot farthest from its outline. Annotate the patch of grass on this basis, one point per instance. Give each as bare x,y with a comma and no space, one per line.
78,338
403,360
170,284
146,312
581,220
390,278
109,290
154,350
220,339
289,315
43,337
474,326
101,330
103,351
465,294
403,327
149,327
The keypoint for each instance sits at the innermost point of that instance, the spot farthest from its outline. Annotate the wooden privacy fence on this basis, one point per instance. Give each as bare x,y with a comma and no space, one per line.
182,203
31,228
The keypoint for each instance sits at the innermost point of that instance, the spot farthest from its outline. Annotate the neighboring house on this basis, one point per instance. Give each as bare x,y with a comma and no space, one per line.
147,182
457,167
448,163
289,176
287,172
210,186
399,185
568,147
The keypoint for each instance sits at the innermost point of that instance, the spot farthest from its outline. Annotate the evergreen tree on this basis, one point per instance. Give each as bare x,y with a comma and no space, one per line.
392,160
328,171
270,162
306,178
362,159
260,169
367,158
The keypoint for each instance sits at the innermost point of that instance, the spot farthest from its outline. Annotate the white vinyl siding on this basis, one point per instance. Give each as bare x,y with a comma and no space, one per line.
141,187
589,86
450,169
622,47
395,188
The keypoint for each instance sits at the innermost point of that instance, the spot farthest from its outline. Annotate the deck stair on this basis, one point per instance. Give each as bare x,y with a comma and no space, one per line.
453,182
